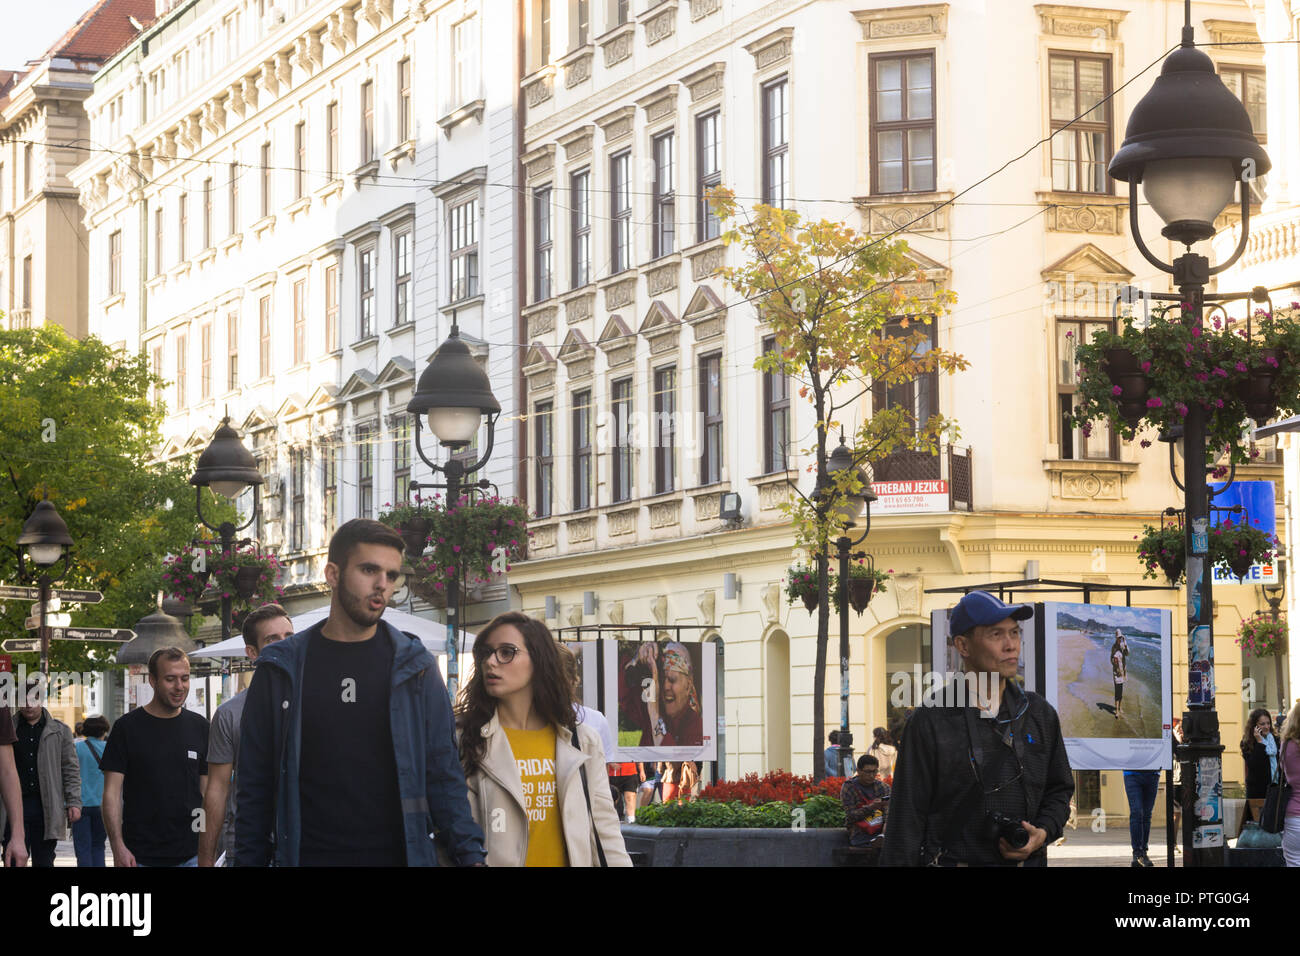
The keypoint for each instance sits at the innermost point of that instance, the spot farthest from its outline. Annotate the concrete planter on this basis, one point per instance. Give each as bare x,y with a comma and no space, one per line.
704,846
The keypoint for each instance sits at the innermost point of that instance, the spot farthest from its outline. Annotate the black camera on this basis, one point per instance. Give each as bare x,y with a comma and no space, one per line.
1009,829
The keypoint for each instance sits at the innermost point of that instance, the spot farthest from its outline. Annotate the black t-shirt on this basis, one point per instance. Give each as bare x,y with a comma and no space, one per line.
161,759
347,777
26,753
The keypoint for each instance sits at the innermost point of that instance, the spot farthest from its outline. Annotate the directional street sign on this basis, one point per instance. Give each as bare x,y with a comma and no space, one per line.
79,597
21,645
51,620
118,635
54,605
23,594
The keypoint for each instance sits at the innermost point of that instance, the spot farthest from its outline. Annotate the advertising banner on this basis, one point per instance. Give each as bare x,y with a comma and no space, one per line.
909,497
666,692
1258,505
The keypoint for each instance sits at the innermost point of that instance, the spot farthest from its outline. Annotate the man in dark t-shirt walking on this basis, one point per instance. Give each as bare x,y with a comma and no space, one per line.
347,755
155,771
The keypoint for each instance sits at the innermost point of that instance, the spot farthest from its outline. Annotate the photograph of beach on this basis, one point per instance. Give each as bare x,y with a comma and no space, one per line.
1110,667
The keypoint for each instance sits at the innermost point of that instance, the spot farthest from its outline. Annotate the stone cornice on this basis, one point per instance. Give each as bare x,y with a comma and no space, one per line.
1079,22
892,23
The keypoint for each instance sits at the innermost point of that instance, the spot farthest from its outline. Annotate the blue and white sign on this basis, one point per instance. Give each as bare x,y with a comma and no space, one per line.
1258,501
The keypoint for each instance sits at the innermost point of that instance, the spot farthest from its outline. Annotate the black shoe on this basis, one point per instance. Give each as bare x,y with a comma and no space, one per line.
1143,860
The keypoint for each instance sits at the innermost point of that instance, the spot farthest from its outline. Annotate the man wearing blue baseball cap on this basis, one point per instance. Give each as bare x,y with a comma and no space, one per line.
982,777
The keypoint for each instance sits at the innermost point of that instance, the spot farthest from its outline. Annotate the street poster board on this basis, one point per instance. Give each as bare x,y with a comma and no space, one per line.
666,689
946,661
1259,507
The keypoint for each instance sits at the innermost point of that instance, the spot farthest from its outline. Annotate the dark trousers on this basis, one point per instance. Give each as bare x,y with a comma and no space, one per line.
1141,787
88,837
41,851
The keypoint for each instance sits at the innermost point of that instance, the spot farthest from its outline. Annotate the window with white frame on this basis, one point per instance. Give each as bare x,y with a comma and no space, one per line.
708,172
404,131
663,228
115,263
401,460
542,243
620,211
299,321
464,62
776,142
365,471
580,227
366,290
331,307
402,277
464,250
367,122
205,361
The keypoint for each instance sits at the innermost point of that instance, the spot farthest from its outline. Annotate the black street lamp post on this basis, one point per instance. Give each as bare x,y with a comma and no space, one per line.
1189,143
45,540
454,396
848,507
227,467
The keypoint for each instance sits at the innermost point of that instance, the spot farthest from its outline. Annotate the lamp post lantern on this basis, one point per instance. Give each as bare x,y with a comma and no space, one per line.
848,506
453,397
1189,144
227,467
45,540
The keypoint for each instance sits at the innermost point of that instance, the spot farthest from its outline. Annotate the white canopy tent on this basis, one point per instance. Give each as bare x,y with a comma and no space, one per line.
431,634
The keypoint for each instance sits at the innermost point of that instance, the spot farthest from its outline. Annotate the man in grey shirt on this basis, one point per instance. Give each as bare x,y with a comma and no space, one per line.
268,624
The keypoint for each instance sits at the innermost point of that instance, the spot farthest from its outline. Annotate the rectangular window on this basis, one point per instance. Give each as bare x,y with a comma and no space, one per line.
403,100
543,457
182,360
464,62
621,11
711,414
402,278
329,482
266,179
582,450
367,122
366,275
665,431
331,308
232,348
297,498
1249,87
234,198
662,228
464,250
158,240
156,368
776,142
708,173
332,140
207,214
918,398
580,227
1080,143
402,460
27,284
205,361
115,263
365,473
182,224
902,123
264,336
299,160
27,170
776,416
583,21
621,471
300,322
1100,443
620,211
544,30
541,243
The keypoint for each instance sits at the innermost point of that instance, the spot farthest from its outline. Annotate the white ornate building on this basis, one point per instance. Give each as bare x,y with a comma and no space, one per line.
286,202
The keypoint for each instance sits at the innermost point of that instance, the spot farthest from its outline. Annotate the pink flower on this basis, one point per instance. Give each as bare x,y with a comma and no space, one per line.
1181,409
1155,403
1197,332
1220,372
1202,377
1069,335
1218,403
1146,366
1116,390
1269,360
1145,443
1241,367
1189,346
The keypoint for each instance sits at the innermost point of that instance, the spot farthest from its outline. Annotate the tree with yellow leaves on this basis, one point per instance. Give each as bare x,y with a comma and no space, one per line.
848,323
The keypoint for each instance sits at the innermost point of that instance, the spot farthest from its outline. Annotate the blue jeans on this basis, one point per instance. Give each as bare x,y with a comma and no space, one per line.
1141,787
88,837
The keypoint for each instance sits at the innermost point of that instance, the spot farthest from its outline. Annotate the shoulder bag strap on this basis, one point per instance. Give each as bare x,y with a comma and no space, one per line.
99,757
586,793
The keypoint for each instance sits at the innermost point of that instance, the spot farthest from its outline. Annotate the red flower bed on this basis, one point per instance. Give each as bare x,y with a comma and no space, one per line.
781,785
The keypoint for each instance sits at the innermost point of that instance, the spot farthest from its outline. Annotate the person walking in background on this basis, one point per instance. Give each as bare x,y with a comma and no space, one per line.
11,793
1119,669
1290,761
88,833
1259,750
1141,787
831,757
50,777
886,754
688,779
263,627
649,788
668,771
530,765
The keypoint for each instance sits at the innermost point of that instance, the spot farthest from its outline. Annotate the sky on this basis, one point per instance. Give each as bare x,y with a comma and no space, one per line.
31,32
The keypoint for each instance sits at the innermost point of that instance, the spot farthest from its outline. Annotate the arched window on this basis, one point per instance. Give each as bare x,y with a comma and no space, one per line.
776,668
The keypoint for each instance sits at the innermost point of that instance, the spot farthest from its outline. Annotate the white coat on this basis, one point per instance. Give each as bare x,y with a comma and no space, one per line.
496,798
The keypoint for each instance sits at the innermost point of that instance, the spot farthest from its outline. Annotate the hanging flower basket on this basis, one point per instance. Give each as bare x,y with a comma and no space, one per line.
1165,549
865,581
247,576
1153,375
801,585
1262,636
1234,545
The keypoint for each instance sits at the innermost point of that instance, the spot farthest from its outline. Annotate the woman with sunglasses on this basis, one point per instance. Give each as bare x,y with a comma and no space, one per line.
537,782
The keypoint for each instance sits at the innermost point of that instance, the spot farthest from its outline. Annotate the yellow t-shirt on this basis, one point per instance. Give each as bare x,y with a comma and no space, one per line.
534,752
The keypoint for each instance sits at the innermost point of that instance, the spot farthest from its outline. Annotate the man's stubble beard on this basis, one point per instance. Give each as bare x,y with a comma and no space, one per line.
355,608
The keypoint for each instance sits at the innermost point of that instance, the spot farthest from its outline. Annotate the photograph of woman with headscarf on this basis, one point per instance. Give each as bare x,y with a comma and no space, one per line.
658,694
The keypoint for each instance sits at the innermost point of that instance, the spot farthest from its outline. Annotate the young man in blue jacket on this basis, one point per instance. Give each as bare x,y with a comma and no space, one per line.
347,753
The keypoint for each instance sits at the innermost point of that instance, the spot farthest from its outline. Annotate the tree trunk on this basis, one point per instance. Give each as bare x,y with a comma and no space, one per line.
819,674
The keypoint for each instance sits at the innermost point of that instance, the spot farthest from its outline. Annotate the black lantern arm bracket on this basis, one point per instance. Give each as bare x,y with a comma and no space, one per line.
491,440
468,469
1136,231
30,571
198,506
1245,232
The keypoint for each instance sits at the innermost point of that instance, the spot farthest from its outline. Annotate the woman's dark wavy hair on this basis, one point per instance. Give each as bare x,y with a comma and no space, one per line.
1248,739
552,695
